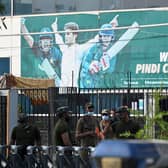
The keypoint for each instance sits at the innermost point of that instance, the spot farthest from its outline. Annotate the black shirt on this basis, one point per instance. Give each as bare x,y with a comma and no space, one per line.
127,130
24,134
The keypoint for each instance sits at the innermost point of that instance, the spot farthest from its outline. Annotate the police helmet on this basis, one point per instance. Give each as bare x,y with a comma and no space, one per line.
61,110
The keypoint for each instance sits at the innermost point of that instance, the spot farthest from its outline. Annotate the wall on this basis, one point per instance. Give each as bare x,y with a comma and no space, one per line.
10,42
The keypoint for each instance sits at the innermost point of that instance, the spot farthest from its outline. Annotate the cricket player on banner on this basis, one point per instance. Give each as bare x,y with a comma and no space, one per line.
99,61
47,57
72,51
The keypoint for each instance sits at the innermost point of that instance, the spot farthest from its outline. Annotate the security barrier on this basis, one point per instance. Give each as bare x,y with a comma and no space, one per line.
107,154
39,157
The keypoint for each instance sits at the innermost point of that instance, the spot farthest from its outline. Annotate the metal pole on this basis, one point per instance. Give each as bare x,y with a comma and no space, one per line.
72,78
130,79
12,7
129,87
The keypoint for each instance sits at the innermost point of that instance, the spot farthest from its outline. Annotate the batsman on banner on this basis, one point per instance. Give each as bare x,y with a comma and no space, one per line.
47,57
72,51
99,61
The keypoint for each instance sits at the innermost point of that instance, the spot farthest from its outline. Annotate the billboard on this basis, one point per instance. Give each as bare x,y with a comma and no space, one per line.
98,49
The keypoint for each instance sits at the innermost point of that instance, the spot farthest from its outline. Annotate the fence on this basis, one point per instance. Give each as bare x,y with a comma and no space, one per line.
3,113
40,104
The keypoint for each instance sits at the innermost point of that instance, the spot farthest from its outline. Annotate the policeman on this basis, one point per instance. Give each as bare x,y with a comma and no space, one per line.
61,131
126,127
62,135
86,132
25,134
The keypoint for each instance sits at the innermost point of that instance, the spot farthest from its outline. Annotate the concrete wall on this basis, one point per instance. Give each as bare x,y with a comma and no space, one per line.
52,6
10,43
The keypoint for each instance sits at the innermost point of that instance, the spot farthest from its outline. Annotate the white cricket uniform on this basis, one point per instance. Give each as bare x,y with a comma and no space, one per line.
71,61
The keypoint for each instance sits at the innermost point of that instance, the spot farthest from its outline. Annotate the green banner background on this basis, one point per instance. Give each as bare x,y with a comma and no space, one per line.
143,62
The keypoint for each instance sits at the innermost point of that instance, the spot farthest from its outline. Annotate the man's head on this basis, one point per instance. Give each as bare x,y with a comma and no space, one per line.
106,34
105,114
89,107
63,112
45,40
113,112
22,118
70,37
123,113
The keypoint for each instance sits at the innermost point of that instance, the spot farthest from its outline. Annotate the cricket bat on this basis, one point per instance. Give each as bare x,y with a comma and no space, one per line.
123,40
49,70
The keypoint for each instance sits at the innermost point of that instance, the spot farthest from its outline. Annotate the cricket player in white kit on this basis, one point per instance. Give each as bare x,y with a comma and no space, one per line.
72,52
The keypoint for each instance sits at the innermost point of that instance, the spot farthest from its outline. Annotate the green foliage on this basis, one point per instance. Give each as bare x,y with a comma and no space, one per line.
162,126
145,132
156,122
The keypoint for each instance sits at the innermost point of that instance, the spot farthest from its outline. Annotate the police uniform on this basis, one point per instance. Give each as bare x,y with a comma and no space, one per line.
86,124
126,128
130,127
24,134
61,127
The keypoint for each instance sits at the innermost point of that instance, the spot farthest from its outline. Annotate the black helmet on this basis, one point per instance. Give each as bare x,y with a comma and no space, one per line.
63,109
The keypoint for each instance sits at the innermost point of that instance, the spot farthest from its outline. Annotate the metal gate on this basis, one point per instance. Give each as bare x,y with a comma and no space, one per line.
3,118
41,104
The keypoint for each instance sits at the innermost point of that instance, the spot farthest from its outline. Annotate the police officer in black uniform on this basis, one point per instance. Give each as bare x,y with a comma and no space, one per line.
25,134
126,128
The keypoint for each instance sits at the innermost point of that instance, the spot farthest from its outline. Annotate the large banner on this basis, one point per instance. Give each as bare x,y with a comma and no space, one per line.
97,50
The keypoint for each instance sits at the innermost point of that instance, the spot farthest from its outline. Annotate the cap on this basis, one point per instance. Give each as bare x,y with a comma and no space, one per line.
89,105
22,117
122,110
105,111
63,109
